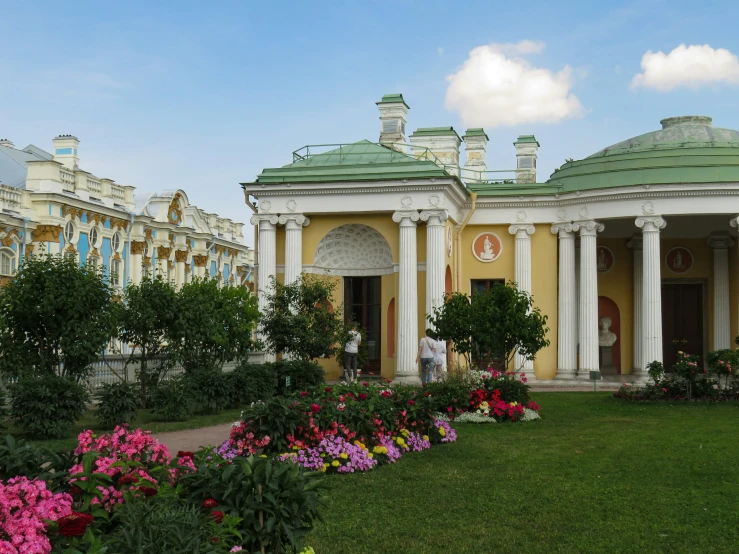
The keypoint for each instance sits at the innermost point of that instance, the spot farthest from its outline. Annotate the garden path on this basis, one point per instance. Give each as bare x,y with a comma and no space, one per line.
192,439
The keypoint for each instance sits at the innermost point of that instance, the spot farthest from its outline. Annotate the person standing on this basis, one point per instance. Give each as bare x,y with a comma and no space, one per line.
426,355
439,359
351,353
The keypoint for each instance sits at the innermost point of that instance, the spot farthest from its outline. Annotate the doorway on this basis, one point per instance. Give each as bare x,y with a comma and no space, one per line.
362,303
682,320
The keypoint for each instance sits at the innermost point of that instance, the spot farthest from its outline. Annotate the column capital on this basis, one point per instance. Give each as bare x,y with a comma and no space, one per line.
406,218
636,242
522,230
588,227
434,217
734,221
294,220
650,224
720,241
268,219
563,228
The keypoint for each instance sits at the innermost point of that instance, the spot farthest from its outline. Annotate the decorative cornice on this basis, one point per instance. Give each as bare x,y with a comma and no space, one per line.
117,223
163,252
72,212
181,255
200,260
93,217
46,233
138,246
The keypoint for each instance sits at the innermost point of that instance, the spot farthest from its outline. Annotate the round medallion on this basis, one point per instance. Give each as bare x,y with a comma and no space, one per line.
679,259
487,247
604,258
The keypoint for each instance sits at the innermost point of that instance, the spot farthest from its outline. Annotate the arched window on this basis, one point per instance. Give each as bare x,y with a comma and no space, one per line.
115,242
115,272
6,264
94,237
69,232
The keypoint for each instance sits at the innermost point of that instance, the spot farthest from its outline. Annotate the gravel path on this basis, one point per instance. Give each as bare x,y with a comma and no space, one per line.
192,439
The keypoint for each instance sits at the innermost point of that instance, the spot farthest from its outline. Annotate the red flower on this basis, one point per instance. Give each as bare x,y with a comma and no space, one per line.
328,389
449,409
303,393
217,517
210,503
128,479
362,396
75,490
411,402
148,491
366,384
74,525
185,454
386,393
315,408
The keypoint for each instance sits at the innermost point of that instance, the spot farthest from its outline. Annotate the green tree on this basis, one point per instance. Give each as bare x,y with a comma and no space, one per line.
501,320
214,325
298,320
56,317
146,320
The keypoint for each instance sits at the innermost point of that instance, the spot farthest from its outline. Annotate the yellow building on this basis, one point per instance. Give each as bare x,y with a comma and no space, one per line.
629,251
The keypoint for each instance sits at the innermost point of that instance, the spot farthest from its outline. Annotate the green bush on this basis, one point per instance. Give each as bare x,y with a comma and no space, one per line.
208,390
276,501
451,393
118,404
46,407
255,382
18,458
171,399
3,408
303,375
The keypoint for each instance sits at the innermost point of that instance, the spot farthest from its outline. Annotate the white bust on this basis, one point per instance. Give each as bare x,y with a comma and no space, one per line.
605,336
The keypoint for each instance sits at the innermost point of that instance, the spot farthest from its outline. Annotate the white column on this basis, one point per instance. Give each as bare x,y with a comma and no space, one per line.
567,303
294,224
589,359
522,276
406,368
651,289
639,368
721,302
180,257
435,266
267,260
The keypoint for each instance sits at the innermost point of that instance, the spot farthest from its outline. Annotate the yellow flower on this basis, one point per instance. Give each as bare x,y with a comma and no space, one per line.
484,405
370,454
343,456
514,403
425,437
325,467
442,432
263,456
323,454
335,463
357,443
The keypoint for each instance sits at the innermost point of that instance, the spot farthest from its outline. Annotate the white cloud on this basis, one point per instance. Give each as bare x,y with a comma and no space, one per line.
497,87
689,66
440,50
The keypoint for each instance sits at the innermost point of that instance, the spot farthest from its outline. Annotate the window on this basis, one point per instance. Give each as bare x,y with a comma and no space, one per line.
481,285
69,232
93,262
6,264
115,271
147,250
94,236
116,242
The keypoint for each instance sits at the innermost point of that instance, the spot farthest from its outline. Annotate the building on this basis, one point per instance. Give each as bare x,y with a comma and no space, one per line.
630,251
49,204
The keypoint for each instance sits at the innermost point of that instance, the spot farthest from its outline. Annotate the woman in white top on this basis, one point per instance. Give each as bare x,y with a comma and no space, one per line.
426,349
439,360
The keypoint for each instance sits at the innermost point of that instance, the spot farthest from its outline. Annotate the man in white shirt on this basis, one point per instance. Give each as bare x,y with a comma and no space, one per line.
351,352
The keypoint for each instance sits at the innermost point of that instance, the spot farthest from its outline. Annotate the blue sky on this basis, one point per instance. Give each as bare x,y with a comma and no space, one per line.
202,96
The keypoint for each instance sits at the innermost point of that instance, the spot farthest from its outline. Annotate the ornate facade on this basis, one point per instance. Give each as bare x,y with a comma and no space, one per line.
49,204
631,252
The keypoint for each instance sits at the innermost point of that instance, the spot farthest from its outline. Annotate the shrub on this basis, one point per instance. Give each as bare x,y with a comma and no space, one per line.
3,409
256,382
303,375
18,458
47,406
118,404
451,393
171,399
723,363
208,390
277,501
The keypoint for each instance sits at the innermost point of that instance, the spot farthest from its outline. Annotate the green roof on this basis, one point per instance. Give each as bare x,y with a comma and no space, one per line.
435,132
360,161
478,132
523,139
687,149
393,99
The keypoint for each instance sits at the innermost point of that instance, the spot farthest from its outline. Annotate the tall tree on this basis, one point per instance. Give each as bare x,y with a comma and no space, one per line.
56,317
299,320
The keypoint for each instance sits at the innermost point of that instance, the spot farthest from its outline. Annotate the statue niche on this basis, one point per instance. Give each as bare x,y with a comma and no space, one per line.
609,345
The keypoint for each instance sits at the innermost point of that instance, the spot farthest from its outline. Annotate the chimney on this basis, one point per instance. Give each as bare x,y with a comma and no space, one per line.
65,151
475,165
527,148
393,110
442,142
7,142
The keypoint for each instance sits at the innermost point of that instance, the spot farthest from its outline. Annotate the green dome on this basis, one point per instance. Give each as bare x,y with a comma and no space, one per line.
686,150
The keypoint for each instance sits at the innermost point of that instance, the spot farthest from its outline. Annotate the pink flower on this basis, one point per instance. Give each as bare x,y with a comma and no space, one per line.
303,393
236,549
411,402
315,408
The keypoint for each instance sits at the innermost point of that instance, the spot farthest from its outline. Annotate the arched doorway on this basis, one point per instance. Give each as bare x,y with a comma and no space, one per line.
360,255
609,321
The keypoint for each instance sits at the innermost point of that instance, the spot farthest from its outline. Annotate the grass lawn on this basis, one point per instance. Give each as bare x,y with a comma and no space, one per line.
594,475
145,419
